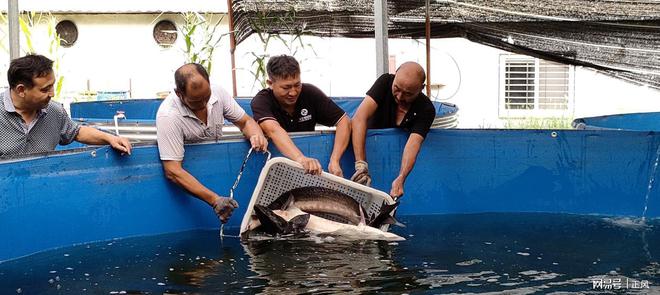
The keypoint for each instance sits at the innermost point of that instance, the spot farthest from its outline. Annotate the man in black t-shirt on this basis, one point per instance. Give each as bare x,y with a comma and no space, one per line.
394,101
291,106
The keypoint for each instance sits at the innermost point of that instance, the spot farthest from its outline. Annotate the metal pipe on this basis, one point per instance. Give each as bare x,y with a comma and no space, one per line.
428,48
232,47
14,42
119,115
380,30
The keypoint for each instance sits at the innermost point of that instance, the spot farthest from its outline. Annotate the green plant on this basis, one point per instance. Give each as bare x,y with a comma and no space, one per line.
28,22
263,24
54,45
4,25
83,96
538,123
200,38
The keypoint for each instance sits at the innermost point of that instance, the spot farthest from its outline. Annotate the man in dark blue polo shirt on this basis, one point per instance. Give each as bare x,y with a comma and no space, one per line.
291,106
394,101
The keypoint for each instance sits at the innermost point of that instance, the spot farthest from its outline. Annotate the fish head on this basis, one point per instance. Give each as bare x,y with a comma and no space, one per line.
281,222
270,222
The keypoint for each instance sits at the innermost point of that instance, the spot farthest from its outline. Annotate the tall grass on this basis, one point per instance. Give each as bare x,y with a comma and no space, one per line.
538,123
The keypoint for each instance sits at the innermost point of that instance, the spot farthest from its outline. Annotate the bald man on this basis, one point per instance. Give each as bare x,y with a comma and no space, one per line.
196,112
394,101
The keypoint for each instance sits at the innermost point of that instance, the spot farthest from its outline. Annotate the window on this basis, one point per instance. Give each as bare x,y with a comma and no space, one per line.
531,86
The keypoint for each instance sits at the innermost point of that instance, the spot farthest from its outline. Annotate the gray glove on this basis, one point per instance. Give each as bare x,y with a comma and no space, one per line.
224,207
361,175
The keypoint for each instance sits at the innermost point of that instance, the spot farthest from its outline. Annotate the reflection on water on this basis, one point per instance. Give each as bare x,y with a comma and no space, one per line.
336,266
478,253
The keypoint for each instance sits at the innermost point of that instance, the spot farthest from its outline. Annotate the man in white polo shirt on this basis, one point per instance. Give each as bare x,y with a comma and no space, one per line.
196,112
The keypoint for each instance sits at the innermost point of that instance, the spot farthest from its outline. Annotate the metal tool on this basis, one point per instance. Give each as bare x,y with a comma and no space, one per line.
238,178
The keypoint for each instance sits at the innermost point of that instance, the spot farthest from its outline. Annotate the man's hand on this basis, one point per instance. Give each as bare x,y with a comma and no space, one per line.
311,165
259,142
224,207
361,175
397,187
120,143
335,169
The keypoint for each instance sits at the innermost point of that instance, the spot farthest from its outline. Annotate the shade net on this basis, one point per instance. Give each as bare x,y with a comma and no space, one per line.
620,38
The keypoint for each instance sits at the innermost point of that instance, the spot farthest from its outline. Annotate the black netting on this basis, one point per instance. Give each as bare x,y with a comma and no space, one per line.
621,38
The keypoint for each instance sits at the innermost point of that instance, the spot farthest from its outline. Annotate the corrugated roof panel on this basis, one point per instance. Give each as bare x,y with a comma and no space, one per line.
120,6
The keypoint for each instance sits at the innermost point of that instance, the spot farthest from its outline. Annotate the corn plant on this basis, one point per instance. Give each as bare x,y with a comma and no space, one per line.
262,25
4,25
28,23
54,45
200,38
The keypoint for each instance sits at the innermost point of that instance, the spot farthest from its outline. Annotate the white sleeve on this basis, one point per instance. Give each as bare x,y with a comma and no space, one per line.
170,138
230,108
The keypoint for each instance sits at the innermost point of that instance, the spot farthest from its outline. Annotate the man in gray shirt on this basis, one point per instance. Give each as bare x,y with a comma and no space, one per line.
196,112
31,123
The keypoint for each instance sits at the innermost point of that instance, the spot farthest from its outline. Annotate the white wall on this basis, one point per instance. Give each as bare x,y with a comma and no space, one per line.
598,94
113,49
471,74
339,66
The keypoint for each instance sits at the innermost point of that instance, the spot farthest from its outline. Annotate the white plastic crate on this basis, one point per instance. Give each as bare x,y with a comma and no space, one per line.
280,175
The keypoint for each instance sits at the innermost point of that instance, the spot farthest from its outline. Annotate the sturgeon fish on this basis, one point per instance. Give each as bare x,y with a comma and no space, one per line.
296,211
320,200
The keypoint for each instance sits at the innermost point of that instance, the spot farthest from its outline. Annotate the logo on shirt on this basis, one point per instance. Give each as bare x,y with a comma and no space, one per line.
305,116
